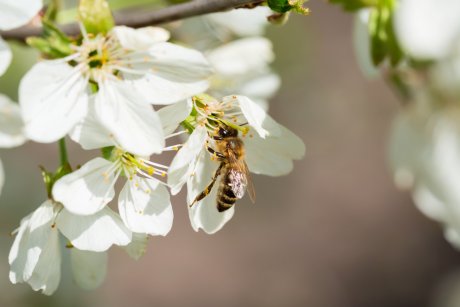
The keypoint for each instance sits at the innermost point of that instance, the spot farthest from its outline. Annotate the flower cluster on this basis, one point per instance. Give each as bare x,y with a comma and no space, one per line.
417,45
102,89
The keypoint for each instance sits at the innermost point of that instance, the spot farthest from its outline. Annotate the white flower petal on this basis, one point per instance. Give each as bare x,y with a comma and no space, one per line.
171,116
34,256
262,87
145,207
138,246
273,156
242,56
15,13
17,257
140,39
204,214
5,56
135,126
177,63
53,98
160,91
97,232
88,189
256,116
243,22
47,273
182,165
89,268
11,125
428,28
429,204
89,133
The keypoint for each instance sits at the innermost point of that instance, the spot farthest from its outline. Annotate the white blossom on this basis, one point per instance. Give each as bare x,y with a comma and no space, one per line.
242,66
13,14
131,69
428,29
11,128
241,22
35,255
270,149
425,155
144,202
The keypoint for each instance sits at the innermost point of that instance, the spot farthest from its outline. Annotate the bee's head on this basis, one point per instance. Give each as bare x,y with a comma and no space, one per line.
226,131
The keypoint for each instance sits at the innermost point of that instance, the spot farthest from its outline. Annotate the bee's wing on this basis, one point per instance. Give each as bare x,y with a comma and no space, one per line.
246,182
250,184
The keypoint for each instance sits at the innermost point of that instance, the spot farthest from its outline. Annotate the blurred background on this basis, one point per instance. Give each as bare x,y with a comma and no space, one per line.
333,233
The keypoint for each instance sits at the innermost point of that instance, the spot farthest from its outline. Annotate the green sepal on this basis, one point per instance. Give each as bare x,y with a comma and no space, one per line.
284,6
107,152
53,44
50,178
96,16
383,42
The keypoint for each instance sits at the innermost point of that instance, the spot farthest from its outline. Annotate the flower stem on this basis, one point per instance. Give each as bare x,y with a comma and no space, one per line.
63,152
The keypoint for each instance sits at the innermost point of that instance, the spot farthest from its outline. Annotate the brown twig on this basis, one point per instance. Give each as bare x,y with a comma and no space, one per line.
137,19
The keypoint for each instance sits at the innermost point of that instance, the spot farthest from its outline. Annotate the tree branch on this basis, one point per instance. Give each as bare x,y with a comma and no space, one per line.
138,19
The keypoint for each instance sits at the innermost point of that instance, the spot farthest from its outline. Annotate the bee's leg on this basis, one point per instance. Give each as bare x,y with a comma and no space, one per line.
207,190
215,153
244,124
217,138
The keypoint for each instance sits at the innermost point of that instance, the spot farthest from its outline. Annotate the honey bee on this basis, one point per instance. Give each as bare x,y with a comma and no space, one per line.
235,178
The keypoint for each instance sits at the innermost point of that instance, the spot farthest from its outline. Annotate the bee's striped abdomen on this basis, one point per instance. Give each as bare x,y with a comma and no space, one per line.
225,196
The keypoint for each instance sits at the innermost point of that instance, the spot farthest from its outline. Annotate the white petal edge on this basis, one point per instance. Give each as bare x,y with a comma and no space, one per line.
182,165
11,124
97,232
135,126
171,116
16,13
5,56
242,56
140,39
53,97
256,116
145,207
88,189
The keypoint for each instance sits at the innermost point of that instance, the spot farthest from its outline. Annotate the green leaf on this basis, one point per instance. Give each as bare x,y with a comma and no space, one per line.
96,16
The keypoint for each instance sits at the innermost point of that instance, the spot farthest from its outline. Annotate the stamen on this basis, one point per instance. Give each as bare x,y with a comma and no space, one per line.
176,134
173,147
